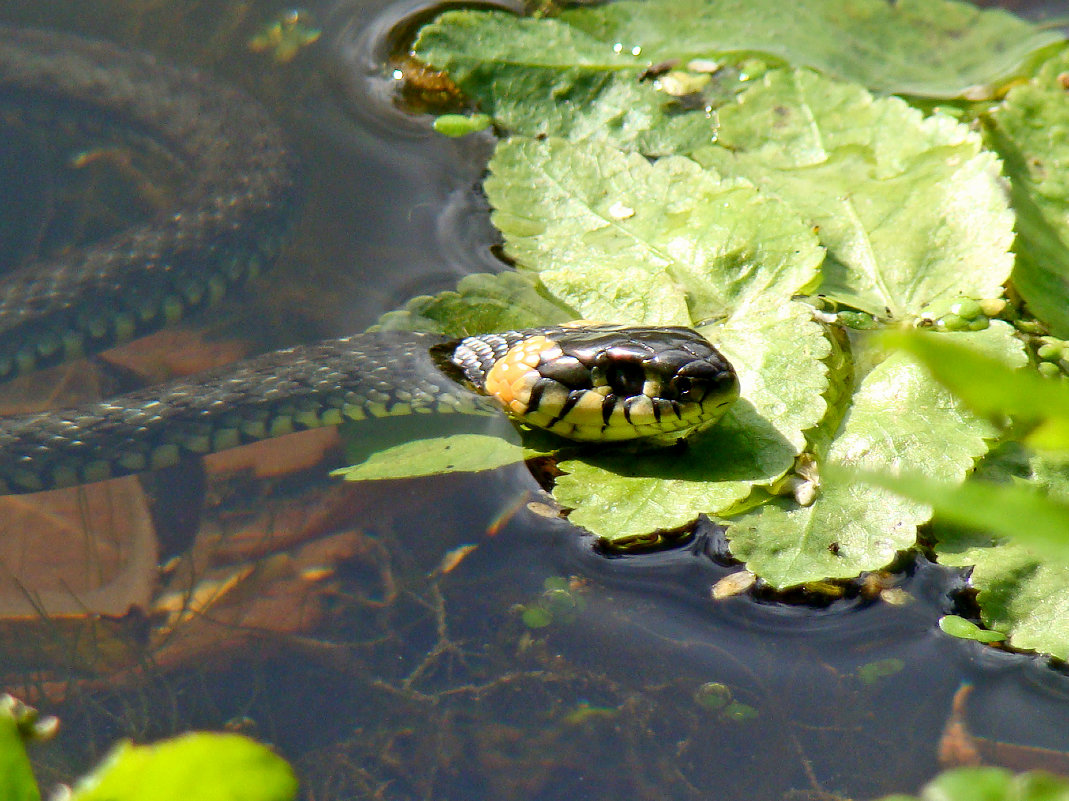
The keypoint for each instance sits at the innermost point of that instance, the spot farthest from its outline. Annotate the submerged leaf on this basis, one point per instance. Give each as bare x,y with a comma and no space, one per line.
912,212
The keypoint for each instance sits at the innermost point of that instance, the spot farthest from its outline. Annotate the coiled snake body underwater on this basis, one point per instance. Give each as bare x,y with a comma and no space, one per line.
585,382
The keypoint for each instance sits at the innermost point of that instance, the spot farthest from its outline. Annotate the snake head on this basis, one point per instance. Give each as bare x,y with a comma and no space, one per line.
602,382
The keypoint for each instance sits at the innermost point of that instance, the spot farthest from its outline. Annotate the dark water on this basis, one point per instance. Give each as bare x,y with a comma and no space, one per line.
382,674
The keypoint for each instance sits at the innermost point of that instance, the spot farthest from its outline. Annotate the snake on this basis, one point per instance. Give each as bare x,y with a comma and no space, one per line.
591,382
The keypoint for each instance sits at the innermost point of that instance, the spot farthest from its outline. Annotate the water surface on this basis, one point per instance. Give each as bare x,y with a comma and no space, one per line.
341,636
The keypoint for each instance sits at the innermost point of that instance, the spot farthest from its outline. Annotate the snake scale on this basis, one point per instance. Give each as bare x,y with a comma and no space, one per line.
591,382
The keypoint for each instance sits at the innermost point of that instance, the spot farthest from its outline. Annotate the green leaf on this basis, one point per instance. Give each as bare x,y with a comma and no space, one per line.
898,418
457,125
1029,131
666,239
990,386
912,212
16,776
1022,573
191,767
933,48
584,75
547,78
1020,512
963,629
482,303
778,352
991,784
460,453
1021,595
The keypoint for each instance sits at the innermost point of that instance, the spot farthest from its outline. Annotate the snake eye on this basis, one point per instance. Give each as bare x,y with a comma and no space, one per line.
683,388
626,379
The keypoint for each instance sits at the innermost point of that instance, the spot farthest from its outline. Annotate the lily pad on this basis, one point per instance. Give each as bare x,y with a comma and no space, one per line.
911,210
681,241
931,48
724,231
586,74
546,77
898,419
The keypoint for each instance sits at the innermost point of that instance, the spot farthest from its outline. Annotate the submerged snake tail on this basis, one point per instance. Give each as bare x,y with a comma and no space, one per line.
226,225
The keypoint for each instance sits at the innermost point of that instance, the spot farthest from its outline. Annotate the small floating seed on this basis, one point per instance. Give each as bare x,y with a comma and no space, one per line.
1050,352
1048,369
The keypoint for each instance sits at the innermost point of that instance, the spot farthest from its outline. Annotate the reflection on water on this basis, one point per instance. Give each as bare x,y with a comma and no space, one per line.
439,638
